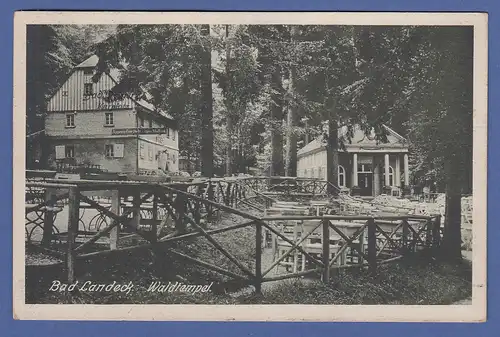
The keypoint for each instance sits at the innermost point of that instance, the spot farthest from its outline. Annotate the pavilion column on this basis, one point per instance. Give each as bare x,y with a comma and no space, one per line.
386,169
398,171
354,169
407,170
376,177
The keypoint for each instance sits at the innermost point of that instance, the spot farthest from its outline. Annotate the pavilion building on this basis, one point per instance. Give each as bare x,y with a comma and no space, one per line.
367,167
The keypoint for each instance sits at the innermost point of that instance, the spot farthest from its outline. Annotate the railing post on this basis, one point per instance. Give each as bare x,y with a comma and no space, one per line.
405,236
136,204
115,208
428,233
48,217
436,232
154,226
372,246
196,207
210,194
237,195
296,252
258,257
180,204
361,247
228,193
73,220
326,250
232,201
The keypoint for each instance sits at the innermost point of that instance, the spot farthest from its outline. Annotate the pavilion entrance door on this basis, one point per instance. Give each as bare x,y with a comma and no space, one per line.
365,181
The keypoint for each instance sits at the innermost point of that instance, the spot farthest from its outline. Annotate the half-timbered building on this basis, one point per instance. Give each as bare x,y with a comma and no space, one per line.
367,167
88,125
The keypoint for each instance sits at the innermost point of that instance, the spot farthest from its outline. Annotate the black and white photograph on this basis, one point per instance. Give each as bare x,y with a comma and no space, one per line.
250,164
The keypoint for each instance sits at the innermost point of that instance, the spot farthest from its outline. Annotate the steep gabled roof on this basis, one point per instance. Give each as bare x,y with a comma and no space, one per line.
90,62
311,146
115,74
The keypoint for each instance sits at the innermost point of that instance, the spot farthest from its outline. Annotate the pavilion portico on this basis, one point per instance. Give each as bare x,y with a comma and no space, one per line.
366,167
376,172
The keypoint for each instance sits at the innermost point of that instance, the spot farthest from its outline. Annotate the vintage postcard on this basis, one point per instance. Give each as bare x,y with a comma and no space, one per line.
250,166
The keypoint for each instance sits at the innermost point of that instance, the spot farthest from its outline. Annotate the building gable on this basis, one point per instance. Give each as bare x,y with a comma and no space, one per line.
360,141
74,96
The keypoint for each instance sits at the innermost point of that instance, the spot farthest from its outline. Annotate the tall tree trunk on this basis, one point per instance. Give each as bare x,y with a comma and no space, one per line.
207,132
291,137
229,146
452,236
332,143
241,157
277,164
458,133
332,154
291,143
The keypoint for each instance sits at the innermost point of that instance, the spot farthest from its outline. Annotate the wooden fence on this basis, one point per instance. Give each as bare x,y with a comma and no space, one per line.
144,209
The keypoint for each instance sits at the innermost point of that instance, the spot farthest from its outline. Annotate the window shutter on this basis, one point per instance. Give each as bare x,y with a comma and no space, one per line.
60,152
141,151
119,150
150,152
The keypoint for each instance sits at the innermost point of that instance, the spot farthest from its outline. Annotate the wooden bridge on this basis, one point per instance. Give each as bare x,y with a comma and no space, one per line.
306,238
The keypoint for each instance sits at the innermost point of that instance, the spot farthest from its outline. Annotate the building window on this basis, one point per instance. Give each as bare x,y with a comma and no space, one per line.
114,150
150,123
173,134
69,151
110,151
167,130
88,89
88,71
173,158
70,120
109,119
65,152
141,122
341,181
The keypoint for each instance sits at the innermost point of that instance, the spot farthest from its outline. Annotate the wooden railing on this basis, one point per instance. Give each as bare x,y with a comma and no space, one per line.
145,209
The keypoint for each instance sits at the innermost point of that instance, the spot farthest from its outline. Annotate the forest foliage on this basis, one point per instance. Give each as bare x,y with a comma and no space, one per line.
244,90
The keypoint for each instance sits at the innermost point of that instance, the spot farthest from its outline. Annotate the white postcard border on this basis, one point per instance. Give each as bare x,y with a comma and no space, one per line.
476,312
